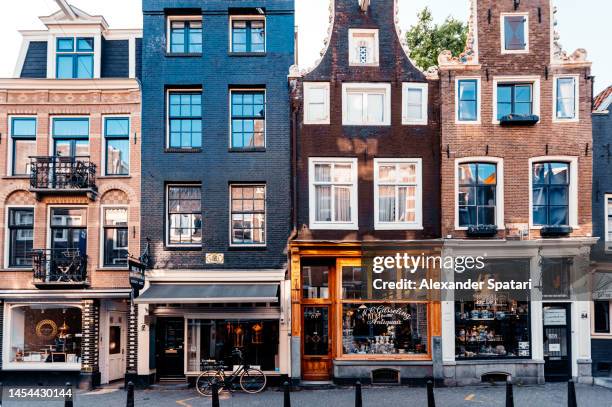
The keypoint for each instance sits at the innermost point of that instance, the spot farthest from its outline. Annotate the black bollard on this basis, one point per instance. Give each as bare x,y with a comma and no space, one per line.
215,394
286,395
68,396
130,395
509,394
571,394
358,401
431,401
1,391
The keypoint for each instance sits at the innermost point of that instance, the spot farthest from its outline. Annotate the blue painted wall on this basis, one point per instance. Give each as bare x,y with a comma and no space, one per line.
115,59
215,167
35,63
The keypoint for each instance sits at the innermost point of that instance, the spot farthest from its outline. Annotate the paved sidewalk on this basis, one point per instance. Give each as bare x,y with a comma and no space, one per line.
550,395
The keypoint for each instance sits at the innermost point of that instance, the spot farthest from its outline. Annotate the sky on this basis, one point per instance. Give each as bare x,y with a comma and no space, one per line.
580,24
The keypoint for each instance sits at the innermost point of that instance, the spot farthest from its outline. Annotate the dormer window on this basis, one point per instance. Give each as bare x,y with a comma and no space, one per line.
75,58
515,33
363,47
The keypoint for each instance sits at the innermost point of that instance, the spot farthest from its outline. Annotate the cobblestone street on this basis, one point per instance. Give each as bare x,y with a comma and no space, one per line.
550,395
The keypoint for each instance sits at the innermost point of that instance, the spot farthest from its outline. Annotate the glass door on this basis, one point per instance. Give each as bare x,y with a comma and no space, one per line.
68,231
316,355
557,342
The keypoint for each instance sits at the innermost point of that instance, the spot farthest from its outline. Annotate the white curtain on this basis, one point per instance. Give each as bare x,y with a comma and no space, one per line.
342,196
386,204
323,203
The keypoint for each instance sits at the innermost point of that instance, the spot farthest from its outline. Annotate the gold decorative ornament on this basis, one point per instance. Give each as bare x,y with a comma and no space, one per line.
46,329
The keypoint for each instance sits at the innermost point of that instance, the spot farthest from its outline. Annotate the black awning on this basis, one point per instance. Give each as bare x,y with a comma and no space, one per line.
209,293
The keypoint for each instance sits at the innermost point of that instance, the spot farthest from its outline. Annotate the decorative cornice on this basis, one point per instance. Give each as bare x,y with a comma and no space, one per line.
469,56
559,56
69,84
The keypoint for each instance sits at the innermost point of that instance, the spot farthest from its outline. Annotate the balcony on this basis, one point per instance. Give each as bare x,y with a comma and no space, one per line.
67,175
59,268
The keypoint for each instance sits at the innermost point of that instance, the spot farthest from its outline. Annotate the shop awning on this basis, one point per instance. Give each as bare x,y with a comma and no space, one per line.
209,293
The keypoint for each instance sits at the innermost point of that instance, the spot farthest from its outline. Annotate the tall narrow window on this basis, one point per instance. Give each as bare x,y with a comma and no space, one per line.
185,119
397,193
248,214
316,102
74,58
115,237
551,189
248,119
467,100
414,103
515,34
248,35
117,140
21,236
185,35
477,194
333,193
184,215
23,138
602,317
566,102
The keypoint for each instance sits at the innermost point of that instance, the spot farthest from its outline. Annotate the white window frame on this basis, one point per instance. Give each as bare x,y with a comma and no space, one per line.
418,220
366,88
502,24
7,233
424,88
10,158
63,206
535,92
230,228
167,118
103,146
167,219
608,243
576,117
84,32
246,18
354,223
478,100
375,52
172,18
308,88
229,119
102,246
499,189
573,187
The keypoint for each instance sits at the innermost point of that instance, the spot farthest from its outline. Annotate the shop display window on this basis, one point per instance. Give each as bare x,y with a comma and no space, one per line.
214,340
45,333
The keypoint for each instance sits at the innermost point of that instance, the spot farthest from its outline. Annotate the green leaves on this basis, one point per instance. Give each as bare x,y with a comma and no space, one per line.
426,40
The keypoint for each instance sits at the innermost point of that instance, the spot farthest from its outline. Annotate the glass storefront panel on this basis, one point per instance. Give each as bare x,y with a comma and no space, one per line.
216,339
45,333
385,329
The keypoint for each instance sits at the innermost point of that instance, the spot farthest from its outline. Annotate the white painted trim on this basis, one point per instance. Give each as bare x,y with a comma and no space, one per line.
103,145
9,158
424,87
367,88
101,245
353,224
167,219
351,41
247,18
308,88
229,190
535,92
7,234
170,19
23,52
478,100
499,189
502,25
576,117
69,84
230,107
167,119
418,223
573,187
132,56
53,35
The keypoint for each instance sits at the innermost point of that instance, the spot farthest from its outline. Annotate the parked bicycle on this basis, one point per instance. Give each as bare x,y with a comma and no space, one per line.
250,379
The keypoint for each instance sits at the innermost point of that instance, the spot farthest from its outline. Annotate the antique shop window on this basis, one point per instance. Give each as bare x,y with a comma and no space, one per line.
215,339
566,98
184,215
601,316
490,324
74,58
21,236
117,145
185,35
363,47
397,193
248,119
185,119
414,103
551,193
248,34
115,236
556,280
468,103
45,335
248,214
477,194
23,139
515,33
316,102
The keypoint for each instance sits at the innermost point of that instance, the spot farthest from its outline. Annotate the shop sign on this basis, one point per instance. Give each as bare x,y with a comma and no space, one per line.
215,258
137,274
555,316
384,315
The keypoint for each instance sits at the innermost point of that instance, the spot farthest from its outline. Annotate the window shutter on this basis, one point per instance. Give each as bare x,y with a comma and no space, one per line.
514,33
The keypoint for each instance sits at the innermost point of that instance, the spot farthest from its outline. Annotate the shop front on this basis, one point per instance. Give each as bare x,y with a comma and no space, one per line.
348,330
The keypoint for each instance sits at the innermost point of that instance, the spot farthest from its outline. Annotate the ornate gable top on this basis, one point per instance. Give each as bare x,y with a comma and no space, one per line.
364,4
71,15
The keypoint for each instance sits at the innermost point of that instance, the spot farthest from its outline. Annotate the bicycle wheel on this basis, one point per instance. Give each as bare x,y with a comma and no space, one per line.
205,382
252,380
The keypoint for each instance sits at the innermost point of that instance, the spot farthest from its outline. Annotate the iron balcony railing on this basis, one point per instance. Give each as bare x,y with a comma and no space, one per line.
62,173
59,266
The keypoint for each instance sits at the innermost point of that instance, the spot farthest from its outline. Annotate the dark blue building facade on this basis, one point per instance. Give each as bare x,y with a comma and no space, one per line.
216,171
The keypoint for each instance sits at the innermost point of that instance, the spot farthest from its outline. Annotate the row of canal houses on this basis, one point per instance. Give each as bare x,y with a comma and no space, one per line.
254,190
